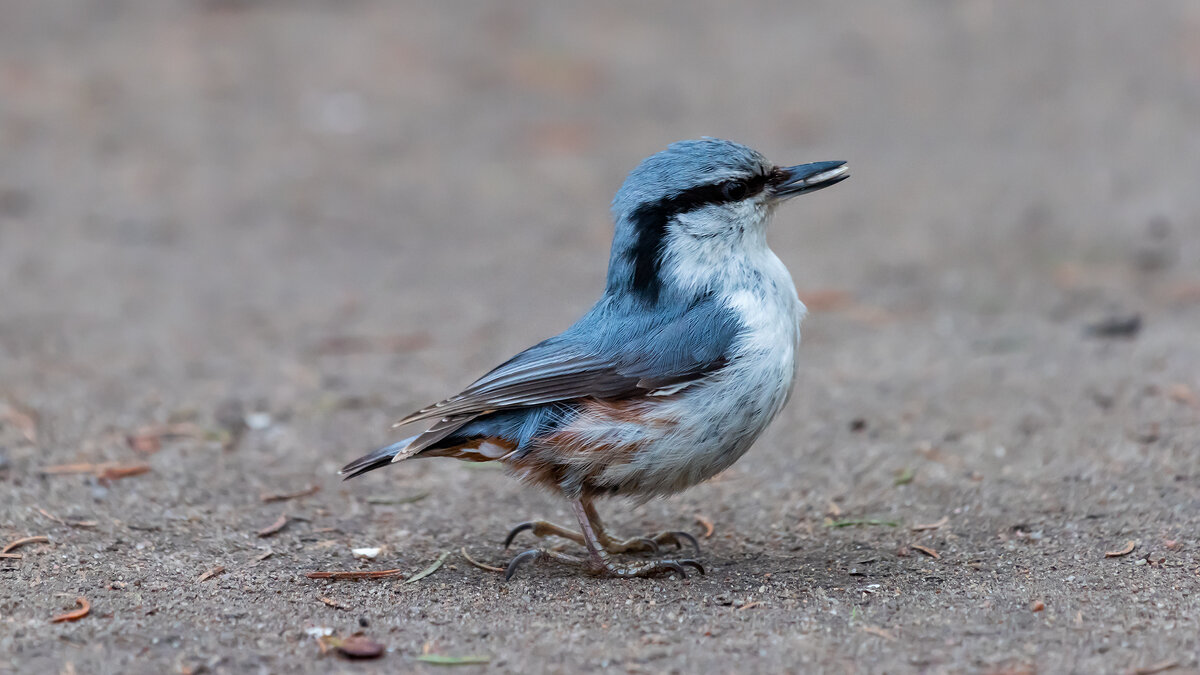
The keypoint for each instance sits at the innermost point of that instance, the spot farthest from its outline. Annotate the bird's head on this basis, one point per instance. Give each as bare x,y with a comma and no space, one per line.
699,203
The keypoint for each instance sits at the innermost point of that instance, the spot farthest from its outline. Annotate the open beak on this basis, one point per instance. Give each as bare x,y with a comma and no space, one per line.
790,181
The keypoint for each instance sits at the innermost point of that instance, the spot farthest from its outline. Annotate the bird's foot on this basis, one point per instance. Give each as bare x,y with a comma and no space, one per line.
651,542
542,528
600,565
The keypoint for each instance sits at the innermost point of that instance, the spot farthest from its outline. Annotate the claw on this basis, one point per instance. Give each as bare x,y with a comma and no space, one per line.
512,534
675,567
521,558
649,543
677,535
693,563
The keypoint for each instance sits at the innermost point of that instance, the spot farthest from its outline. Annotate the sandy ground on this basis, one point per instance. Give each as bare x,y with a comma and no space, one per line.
312,217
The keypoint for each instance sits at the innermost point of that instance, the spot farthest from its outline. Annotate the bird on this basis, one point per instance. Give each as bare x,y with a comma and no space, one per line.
685,359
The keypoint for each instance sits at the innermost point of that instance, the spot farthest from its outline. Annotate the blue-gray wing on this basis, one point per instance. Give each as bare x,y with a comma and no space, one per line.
607,355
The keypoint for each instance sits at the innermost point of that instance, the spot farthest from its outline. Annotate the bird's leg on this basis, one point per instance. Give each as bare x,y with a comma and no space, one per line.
635,544
542,528
599,561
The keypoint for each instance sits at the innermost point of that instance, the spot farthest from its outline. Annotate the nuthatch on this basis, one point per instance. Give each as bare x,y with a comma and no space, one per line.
672,375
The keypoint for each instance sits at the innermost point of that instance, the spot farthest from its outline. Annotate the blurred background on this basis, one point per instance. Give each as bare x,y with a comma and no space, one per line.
287,223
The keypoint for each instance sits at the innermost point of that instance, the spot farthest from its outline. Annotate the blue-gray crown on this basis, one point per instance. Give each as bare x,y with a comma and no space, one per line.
686,175
683,166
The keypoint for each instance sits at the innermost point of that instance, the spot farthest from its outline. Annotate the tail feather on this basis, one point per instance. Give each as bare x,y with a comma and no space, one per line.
374,460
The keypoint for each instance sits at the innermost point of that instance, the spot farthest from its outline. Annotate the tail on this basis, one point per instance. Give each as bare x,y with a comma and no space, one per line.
374,460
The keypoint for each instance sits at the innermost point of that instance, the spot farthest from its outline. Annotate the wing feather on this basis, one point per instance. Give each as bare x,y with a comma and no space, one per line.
602,357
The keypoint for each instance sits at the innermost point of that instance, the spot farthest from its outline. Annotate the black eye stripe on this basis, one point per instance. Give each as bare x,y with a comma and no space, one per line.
713,193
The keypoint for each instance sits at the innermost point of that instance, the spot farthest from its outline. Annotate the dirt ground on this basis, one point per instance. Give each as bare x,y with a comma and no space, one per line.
238,238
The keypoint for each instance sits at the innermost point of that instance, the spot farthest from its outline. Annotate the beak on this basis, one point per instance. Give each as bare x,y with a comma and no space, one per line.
789,181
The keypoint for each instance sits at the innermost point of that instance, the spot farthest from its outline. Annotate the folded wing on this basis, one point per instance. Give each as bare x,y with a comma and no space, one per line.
609,354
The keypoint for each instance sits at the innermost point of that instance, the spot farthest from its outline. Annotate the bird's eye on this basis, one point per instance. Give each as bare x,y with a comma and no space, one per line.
733,190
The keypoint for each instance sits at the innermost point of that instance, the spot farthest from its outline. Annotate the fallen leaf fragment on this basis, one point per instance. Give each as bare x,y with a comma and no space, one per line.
428,570
118,472
268,498
347,576
707,524
359,647
1159,667
1129,546
274,527
478,564
84,608
880,632
442,660
931,526
18,543
927,551
904,477
1037,606
210,574
333,603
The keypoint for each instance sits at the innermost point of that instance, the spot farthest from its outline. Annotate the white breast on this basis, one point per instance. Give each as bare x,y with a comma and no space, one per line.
716,420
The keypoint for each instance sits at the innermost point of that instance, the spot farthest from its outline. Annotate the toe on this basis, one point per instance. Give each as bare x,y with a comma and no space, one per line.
645,544
678,537
520,559
512,534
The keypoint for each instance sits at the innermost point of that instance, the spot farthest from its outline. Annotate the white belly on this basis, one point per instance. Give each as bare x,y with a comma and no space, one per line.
716,420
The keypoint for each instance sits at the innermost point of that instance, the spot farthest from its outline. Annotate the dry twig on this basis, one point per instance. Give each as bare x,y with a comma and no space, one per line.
353,576
118,472
1159,667
478,564
927,551
107,471
84,608
62,521
931,526
706,524
18,543
274,527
